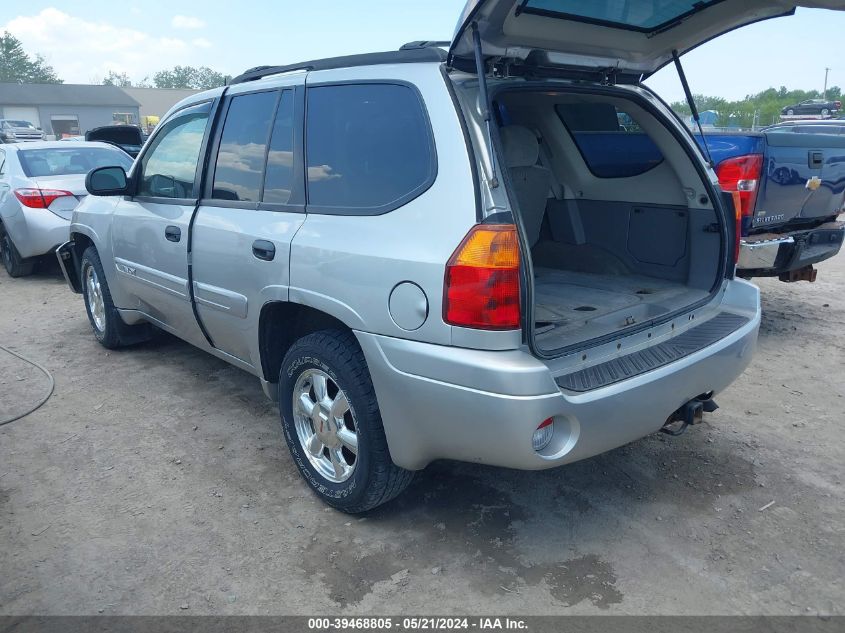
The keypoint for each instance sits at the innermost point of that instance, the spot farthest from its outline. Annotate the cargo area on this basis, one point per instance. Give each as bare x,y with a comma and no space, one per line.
620,225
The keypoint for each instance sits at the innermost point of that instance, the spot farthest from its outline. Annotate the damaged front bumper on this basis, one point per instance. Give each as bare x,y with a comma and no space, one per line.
66,254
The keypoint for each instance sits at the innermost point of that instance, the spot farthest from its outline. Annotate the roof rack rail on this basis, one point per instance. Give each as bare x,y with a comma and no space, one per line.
403,56
410,46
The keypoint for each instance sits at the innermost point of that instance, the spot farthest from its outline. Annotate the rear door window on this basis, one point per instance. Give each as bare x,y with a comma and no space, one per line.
239,169
368,146
611,142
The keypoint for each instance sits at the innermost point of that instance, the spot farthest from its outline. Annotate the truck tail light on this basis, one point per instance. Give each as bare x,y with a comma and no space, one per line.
481,288
39,198
740,176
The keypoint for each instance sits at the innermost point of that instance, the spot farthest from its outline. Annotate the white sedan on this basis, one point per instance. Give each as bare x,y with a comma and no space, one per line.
40,185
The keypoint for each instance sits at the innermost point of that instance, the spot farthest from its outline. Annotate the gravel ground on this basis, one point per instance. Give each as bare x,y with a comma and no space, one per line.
156,481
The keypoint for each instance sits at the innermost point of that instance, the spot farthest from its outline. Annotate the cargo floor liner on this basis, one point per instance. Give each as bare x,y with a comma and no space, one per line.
571,307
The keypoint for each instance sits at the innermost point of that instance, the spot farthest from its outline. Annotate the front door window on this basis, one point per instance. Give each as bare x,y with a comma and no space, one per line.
169,168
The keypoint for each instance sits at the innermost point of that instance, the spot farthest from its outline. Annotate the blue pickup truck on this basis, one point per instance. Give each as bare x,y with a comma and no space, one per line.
791,190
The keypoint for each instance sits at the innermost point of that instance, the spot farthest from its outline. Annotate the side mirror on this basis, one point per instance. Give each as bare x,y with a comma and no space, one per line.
107,181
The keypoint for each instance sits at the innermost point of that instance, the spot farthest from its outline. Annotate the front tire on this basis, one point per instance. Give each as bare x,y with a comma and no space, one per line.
109,329
333,426
790,112
14,264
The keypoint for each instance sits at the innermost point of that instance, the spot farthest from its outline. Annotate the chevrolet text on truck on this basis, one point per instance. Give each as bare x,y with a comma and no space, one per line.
432,255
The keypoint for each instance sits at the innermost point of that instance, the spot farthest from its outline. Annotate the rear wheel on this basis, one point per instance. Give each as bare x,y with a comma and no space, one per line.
14,264
109,328
332,423
790,112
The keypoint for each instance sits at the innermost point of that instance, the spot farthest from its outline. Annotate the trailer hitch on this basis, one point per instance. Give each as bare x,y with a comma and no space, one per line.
690,413
808,273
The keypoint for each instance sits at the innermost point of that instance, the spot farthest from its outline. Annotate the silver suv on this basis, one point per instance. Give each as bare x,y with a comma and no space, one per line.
509,254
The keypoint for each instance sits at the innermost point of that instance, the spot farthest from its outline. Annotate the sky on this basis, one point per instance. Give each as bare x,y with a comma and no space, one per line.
83,41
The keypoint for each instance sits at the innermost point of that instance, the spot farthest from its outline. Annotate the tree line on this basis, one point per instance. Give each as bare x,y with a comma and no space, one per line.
766,106
201,78
16,66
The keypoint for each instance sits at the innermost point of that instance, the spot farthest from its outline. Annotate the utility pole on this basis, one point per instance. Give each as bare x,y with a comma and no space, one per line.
824,94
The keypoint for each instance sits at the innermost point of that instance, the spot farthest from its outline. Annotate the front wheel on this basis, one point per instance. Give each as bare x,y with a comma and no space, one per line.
332,423
790,112
825,111
109,328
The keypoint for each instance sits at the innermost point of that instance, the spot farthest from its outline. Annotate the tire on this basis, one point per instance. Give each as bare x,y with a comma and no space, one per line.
790,112
334,356
825,111
14,264
109,329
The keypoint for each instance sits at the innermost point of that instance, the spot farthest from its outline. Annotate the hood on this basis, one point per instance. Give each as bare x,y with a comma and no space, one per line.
636,37
124,136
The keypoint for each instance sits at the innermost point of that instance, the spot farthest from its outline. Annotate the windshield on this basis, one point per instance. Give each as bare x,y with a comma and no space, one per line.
65,162
627,14
10,123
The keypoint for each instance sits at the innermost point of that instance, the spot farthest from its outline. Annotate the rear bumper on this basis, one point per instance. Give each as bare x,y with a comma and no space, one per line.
774,254
477,406
37,232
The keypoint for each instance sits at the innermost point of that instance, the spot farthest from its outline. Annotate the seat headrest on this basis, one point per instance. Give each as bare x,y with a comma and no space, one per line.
521,146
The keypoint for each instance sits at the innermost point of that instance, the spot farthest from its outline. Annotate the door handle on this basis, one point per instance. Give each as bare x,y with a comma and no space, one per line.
173,233
816,159
262,249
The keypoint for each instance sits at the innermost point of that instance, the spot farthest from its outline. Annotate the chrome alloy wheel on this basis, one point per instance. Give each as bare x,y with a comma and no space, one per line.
325,426
94,294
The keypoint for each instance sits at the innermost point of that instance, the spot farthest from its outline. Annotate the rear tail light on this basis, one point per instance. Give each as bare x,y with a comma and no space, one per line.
39,198
543,435
482,280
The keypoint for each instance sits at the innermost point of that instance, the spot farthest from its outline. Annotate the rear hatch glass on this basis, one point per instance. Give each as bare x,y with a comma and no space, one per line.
630,14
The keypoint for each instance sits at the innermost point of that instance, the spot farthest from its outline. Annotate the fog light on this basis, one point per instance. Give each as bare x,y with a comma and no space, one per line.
543,435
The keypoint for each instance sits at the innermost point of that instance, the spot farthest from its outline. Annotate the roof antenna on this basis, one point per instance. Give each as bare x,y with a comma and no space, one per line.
691,103
492,179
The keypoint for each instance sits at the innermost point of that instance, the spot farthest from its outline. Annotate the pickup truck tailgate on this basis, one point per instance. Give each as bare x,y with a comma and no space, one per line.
804,180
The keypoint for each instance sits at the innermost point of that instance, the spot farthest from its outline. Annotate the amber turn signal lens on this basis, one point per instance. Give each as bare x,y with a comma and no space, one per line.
482,280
